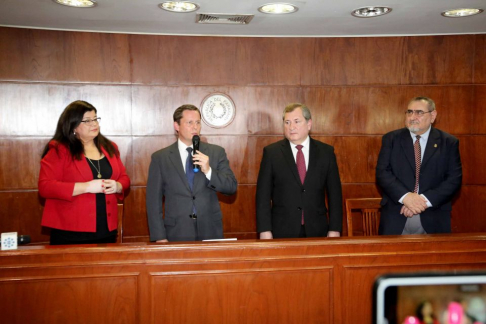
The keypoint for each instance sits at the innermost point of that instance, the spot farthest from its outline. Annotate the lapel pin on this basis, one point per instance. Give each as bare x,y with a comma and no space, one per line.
435,145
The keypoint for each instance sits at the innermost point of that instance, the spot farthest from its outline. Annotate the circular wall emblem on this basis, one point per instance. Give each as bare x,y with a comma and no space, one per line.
218,110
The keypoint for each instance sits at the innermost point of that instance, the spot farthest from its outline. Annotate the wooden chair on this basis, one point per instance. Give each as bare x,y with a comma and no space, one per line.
119,238
370,212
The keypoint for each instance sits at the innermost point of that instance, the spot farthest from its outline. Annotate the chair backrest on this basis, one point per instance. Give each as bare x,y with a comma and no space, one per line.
370,212
119,238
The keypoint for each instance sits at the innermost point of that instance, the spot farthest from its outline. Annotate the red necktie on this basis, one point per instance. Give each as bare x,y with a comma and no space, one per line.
301,169
418,158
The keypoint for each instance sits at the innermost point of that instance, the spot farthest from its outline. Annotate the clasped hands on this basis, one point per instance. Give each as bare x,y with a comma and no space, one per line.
106,186
413,204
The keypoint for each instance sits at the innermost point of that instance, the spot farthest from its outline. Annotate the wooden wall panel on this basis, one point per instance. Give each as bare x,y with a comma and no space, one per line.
378,110
467,216
43,55
173,60
437,59
325,280
478,122
21,212
20,162
239,214
277,296
351,61
357,89
135,226
480,59
269,61
34,109
473,159
70,300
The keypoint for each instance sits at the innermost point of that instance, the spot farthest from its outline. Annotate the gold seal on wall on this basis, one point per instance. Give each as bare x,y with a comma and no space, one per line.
218,110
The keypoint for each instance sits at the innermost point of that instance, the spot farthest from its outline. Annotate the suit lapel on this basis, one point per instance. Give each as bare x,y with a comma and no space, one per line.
406,142
83,168
433,144
175,159
290,160
312,163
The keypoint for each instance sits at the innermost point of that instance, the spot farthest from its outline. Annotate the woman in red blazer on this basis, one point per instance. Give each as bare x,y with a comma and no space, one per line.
81,178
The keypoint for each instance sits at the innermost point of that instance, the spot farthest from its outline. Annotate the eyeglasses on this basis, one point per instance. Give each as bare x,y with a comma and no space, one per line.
91,121
419,113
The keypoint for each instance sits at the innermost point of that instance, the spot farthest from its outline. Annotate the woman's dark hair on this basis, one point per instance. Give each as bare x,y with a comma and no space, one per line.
70,118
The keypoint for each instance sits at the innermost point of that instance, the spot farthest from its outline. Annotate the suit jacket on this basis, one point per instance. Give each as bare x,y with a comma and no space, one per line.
440,178
58,175
167,179
281,197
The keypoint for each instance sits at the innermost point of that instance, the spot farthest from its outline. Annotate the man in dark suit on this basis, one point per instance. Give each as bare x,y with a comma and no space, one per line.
296,174
192,210
419,170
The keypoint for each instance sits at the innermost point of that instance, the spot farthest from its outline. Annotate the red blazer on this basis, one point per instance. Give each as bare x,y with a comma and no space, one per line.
58,174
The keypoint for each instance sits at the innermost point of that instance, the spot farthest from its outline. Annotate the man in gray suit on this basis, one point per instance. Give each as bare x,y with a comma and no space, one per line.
192,210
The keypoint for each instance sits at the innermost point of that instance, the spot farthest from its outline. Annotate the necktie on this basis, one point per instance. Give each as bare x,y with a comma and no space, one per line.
301,168
189,170
190,174
418,158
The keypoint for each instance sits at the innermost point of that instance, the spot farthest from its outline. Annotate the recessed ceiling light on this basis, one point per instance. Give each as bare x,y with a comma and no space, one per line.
463,12
368,12
77,3
179,6
278,8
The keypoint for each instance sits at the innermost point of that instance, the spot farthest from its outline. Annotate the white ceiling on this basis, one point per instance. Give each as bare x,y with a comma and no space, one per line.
314,18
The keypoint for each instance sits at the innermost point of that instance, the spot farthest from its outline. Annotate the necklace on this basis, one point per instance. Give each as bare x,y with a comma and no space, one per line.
97,169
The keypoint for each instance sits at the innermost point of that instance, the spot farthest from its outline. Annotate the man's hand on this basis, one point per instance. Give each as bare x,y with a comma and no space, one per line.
406,212
162,241
201,160
333,234
266,235
415,203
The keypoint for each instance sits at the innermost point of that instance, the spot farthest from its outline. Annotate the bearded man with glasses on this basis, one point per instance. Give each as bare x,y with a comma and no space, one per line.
419,171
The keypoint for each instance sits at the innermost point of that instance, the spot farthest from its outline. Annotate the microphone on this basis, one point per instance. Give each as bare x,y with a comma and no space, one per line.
195,146
23,239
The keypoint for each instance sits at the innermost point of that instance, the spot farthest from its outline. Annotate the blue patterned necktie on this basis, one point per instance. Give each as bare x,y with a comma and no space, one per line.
189,170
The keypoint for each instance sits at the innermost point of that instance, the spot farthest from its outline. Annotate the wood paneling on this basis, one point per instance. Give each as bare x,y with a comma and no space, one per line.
478,122
327,280
43,55
135,226
473,159
20,162
33,109
467,216
67,299
277,296
357,89
269,61
480,59
351,61
172,60
437,60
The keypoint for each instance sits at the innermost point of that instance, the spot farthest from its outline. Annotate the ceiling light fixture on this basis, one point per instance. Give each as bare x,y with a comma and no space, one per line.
278,8
369,12
463,12
179,6
77,3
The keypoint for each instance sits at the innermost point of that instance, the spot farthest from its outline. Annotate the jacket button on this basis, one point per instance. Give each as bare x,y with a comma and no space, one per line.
303,190
107,202
299,208
193,197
